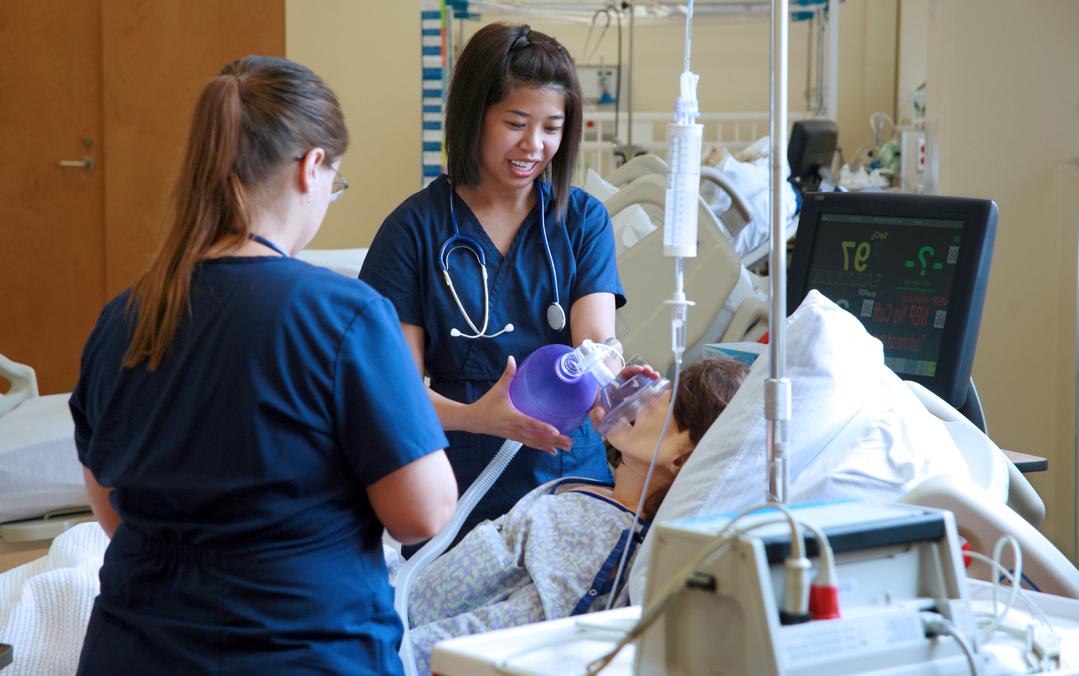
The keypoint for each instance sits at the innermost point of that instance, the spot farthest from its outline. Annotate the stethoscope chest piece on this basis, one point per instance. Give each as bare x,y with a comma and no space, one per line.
556,317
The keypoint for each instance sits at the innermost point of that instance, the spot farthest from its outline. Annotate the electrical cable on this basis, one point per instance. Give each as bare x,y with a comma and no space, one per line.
878,122
824,591
1042,646
1034,609
998,552
618,75
588,36
936,624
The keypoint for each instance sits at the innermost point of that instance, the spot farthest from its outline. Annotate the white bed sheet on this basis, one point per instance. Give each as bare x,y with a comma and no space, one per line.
39,468
343,261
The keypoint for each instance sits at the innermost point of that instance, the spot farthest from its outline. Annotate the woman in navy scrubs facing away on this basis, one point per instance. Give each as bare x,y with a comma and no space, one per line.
249,422
513,128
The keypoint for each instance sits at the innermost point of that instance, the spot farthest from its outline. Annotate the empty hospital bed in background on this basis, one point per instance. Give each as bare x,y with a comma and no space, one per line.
41,485
732,219
736,189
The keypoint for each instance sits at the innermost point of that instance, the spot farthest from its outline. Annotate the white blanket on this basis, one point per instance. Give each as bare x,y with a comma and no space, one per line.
45,604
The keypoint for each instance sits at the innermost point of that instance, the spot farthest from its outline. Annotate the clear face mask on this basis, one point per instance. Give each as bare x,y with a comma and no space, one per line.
622,399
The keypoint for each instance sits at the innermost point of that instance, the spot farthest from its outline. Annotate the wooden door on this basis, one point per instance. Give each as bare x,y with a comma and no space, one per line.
115,80
157,56
52,278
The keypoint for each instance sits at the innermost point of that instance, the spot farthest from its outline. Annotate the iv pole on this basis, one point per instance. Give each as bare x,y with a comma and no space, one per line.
777,388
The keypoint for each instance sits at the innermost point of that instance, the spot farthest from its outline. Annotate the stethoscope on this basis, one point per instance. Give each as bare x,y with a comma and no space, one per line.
556,316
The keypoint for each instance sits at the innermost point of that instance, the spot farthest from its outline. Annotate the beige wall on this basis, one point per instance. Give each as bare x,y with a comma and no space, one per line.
1001,119
369,52
732,56
912,53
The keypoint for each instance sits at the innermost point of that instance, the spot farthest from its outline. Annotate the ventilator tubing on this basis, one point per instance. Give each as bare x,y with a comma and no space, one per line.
412,568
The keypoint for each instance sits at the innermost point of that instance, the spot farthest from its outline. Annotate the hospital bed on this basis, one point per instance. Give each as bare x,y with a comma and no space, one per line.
740,213
41,484
844,410
985,493
729,299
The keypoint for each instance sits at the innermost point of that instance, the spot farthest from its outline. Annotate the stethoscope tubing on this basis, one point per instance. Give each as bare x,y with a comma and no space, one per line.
555,315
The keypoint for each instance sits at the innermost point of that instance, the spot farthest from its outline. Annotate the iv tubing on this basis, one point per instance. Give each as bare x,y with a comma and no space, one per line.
689,25
676,310
685,112
777,392
410,571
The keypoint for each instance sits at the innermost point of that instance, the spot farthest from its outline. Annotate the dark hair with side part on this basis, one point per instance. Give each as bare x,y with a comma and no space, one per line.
705,388
258,114
498,59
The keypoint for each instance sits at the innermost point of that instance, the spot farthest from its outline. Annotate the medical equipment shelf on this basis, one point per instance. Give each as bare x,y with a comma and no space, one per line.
1028,463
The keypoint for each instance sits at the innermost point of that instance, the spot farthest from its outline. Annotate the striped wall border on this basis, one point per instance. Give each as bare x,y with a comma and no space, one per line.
432,88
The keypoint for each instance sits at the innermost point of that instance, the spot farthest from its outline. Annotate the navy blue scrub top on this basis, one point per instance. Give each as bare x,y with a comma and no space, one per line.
240,467
402,264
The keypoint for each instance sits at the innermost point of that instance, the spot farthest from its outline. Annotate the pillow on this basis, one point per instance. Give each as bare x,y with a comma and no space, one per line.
342,261
856,430
631,224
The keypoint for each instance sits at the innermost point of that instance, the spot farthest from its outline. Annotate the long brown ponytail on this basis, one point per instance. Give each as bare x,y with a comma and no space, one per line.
257,114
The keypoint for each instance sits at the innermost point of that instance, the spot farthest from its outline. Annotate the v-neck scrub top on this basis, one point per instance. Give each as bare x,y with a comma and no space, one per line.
403,265
240,468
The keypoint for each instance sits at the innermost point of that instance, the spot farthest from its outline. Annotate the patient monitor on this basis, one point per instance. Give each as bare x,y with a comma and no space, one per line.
913,269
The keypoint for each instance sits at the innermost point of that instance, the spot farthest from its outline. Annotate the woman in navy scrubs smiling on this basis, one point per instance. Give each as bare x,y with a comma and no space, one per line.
500,257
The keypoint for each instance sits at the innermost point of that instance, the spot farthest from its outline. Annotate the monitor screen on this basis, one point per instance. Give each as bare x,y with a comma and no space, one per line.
911,268
811,148
902,300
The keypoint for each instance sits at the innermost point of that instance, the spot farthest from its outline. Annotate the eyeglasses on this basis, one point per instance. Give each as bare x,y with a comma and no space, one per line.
340,183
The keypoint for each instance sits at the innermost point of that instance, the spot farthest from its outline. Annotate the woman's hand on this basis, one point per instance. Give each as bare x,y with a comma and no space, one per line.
637,369
495,414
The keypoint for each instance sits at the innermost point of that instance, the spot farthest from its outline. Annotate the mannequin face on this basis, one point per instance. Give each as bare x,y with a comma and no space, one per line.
637,441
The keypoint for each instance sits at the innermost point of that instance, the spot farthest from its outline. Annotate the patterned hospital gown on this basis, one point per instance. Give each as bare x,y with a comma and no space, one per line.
554,554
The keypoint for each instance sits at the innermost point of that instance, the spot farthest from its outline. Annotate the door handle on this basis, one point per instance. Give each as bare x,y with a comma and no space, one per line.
86,163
